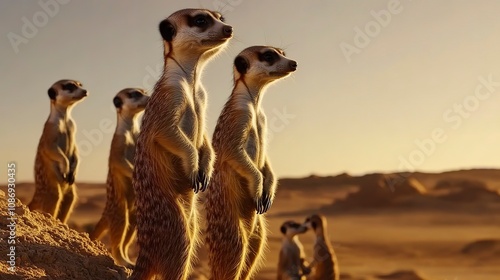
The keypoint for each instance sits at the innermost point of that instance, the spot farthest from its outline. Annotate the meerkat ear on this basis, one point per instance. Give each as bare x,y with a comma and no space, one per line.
52,93
118,102
283,229
241,64
167,30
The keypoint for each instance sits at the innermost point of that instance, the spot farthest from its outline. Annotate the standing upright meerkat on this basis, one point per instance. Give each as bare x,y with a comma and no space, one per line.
324,264
119,215
291,263
56,160
243,184
174,157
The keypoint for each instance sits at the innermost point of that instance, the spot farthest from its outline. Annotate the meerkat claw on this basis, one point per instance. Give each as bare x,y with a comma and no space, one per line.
202,181
258,205
265,203
195,184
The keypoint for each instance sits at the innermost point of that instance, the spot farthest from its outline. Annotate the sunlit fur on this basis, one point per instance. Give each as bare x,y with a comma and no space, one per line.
119,215
174,153
324,264
291,263
243,179
56,161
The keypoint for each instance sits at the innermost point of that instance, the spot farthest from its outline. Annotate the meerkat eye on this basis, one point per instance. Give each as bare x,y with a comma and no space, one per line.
69,87
269,57
134,94
200,20
222,19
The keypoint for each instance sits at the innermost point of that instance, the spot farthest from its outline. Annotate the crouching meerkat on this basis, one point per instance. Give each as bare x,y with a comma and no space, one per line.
324,264
119,215
56,160
174,157
291,263
243,184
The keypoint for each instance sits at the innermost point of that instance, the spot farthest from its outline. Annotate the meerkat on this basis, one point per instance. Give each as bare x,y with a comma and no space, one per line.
56,160
174,156
119,215
243,184
292,264
324,264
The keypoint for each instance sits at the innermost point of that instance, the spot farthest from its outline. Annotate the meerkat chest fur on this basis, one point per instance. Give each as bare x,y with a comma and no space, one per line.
191,94
62,128
292,247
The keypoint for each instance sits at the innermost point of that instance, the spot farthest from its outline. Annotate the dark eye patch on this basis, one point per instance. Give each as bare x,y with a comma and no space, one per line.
294,225
69,87
202,21
269,56
134,94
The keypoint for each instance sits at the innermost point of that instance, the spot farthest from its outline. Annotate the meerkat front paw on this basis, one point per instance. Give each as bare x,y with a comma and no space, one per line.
64,168
264,202
70,178
306,271
191,167
194,181
207,159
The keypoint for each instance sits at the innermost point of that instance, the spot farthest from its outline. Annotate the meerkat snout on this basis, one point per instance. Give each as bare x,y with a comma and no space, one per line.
227,31
291,228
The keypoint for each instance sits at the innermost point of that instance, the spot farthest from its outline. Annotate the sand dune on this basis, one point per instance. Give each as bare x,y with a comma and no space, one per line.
382,226
46,248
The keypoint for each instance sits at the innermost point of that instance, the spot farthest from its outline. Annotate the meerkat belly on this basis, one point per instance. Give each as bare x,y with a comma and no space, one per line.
189,123
252,146
64,141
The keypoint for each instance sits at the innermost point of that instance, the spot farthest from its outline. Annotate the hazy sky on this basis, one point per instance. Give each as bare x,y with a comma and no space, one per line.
365,96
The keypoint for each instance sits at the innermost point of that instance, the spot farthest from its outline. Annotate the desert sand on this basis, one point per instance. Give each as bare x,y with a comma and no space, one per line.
402,226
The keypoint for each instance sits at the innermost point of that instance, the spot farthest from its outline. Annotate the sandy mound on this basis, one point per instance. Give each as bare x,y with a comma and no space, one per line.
401,275
467,191
380,190
483,247
47,249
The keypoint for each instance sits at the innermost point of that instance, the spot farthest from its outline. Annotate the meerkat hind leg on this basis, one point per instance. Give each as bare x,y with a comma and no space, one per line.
99,228
254,256
47,202
117,231
67,204
129,234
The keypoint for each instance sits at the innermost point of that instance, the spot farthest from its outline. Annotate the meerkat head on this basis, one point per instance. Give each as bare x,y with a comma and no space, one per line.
194,32
316,223
66,92
291,228
262,65
130,101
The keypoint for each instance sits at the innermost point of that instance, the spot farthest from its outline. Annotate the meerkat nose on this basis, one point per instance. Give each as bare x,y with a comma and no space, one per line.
227,30
293,65
84,92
